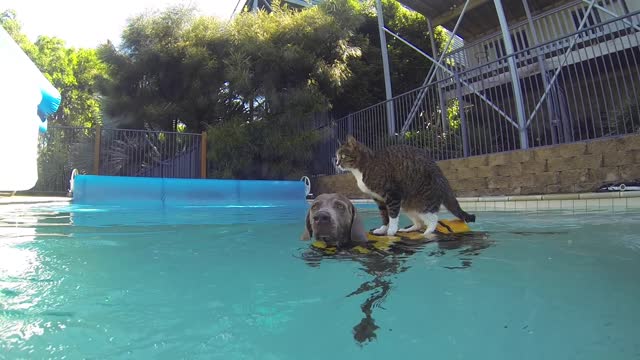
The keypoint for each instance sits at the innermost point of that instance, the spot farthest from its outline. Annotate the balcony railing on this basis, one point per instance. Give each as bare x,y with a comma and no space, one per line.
590,88
548,26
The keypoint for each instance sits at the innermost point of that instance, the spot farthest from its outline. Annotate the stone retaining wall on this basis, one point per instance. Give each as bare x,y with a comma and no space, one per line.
568,168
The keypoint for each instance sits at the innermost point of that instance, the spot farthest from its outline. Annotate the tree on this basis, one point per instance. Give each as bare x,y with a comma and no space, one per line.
74,72
256,81
168,70
283,67
365,86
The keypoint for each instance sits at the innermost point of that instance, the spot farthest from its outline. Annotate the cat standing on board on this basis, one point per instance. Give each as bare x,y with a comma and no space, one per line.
401,177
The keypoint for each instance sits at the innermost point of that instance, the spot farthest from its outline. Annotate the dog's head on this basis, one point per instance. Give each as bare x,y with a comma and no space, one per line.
333,219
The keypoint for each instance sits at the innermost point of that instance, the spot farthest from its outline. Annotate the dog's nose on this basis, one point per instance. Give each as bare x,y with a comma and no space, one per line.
322,217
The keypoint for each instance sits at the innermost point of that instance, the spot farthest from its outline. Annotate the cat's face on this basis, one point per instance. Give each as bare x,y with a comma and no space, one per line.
348,154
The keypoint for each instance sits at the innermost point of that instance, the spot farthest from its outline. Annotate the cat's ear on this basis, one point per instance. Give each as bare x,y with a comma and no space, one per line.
351,140
308,231
358,233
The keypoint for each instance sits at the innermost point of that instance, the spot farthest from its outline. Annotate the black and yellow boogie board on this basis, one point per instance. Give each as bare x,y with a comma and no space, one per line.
384,243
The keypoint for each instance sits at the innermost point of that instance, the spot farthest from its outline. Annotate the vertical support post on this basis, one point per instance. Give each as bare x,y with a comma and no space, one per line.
543,72
203,155
463,117
255,5
96,149
391,123
350,124
515,79
443,106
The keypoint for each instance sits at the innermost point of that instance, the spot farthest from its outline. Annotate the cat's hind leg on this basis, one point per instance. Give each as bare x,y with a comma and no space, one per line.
431,220
417,223
393,201
384,215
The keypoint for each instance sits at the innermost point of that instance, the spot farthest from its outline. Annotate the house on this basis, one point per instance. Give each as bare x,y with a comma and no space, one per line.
566,71
598,69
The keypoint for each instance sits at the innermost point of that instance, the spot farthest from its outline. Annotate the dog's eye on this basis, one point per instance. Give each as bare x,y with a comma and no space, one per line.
314,206
340,206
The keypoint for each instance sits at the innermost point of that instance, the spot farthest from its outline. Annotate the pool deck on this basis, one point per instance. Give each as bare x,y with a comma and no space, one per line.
21,199
615,201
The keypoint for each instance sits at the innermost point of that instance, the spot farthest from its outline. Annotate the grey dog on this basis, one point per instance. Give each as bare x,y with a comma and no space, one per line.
333,219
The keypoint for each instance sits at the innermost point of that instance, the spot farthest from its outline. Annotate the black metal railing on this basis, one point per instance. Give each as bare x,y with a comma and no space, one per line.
585,85
115,152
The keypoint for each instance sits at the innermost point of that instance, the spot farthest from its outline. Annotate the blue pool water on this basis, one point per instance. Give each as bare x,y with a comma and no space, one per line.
237,283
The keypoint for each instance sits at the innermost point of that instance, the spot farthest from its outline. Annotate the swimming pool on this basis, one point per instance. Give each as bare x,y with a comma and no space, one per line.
237,283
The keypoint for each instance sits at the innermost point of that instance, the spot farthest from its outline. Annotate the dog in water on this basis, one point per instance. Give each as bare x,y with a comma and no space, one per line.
332,218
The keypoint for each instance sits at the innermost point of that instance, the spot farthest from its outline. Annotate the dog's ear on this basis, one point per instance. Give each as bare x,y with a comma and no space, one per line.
308,231
358,234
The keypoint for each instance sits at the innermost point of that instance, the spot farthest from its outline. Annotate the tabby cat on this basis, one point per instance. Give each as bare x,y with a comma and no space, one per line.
401,176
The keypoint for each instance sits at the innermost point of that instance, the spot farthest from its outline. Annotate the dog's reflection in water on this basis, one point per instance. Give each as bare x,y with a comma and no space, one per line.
383,265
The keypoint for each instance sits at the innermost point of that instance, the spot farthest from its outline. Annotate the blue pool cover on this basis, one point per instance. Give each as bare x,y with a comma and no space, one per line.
163,192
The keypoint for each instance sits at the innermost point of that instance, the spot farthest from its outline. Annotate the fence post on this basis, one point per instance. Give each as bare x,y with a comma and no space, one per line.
96,150
203,155
463,118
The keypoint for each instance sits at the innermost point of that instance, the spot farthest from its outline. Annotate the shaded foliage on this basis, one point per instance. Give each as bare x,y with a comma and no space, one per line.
74,72
168,70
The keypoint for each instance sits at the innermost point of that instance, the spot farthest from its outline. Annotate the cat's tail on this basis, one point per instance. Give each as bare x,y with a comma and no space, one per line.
451,203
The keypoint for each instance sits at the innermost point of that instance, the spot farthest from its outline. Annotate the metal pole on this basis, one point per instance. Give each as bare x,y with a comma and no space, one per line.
429,78
564,60
391,123
515,79
443,105
463,118
203,155
543,72
255,5
603,9
96,150
445,69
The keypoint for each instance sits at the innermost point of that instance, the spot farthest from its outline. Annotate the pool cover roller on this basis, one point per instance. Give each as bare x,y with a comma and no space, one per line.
163,192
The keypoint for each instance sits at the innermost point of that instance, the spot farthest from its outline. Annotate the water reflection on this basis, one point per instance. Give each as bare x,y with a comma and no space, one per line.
25,278
382,266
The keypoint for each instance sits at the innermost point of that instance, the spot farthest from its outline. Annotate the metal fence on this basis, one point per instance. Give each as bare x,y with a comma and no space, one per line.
116,152
150,153
582,86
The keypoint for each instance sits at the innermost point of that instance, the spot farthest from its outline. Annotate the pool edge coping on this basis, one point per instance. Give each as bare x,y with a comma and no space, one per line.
569,196
616,201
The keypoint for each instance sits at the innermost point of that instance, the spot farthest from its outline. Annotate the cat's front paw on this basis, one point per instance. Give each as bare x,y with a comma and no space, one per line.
392,230
381,230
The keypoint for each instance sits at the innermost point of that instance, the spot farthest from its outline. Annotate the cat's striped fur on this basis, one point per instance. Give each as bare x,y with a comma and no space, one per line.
401,177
